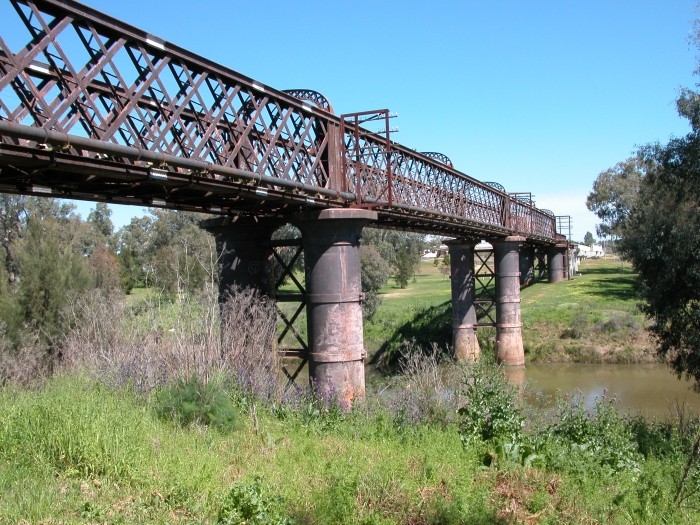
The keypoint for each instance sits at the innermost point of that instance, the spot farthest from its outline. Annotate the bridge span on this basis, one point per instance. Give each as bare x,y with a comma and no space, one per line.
95,109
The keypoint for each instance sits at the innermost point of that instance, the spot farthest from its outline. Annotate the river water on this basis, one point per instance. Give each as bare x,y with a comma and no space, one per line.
647,389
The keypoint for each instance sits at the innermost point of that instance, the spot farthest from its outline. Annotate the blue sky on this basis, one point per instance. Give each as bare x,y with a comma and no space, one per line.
539,96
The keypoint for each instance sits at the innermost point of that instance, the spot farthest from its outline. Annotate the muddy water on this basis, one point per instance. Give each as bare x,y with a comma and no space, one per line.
646,389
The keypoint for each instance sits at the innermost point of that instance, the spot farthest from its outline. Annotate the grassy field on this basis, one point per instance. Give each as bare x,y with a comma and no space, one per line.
591,318
76,451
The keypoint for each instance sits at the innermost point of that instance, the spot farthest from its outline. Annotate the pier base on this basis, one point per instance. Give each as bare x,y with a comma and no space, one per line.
464,340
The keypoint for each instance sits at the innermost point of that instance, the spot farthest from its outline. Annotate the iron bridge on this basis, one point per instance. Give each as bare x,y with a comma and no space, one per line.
95,109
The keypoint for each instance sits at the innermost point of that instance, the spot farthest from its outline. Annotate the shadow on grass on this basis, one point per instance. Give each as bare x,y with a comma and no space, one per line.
609,270
623,288
431,325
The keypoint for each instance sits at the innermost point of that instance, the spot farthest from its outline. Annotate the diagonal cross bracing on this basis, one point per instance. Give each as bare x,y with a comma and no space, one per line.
90,106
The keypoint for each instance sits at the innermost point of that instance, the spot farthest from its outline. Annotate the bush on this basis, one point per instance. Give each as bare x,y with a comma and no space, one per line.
603,437
247,503
425,391
491,413
192,401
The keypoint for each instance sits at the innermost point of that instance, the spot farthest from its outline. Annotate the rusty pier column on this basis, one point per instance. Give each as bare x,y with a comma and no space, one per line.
245,252
331,240
509,339
464,341
555,263
527,265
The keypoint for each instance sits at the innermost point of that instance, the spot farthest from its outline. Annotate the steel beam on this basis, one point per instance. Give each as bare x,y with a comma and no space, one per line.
509,339
331,240
464,341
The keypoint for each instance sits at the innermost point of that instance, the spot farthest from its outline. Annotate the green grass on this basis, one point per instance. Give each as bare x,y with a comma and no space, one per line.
593,317
95,455
78,452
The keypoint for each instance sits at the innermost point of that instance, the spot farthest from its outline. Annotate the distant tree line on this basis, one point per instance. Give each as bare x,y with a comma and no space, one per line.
49,256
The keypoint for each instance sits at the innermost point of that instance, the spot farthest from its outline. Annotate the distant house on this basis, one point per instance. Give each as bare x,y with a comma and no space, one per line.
594,251
597,251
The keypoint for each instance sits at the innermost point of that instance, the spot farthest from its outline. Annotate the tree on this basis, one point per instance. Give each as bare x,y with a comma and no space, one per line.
50,269
615,192
183,255
402,250
100,219
661,239
132,242
375,272
588,239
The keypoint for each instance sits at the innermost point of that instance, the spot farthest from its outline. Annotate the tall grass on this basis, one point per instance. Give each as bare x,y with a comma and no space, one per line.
153,342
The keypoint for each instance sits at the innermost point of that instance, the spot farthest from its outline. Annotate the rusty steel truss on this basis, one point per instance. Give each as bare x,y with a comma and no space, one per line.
92,108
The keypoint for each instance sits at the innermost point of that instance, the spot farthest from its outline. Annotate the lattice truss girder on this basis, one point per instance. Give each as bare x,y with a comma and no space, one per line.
83,74
424,182
81,78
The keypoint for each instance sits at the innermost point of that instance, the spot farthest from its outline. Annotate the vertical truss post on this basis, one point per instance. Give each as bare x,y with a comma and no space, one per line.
464,341
367,158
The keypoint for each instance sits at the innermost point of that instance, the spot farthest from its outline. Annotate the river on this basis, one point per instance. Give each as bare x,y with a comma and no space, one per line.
647,389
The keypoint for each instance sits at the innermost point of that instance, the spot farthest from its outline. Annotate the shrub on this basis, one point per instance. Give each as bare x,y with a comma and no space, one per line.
491,413
425,390
602,437
247,503
152,342
579,326
192,401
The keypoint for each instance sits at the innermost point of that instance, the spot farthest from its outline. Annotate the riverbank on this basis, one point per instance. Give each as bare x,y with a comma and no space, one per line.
591,318
168,428
78,451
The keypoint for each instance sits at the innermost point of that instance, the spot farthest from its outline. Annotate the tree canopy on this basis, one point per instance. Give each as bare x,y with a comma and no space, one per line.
652,201
661,237
615,192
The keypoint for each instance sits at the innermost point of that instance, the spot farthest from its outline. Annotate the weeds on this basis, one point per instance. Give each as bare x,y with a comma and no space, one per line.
192,401
202,340
251,503
490,413
424,391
